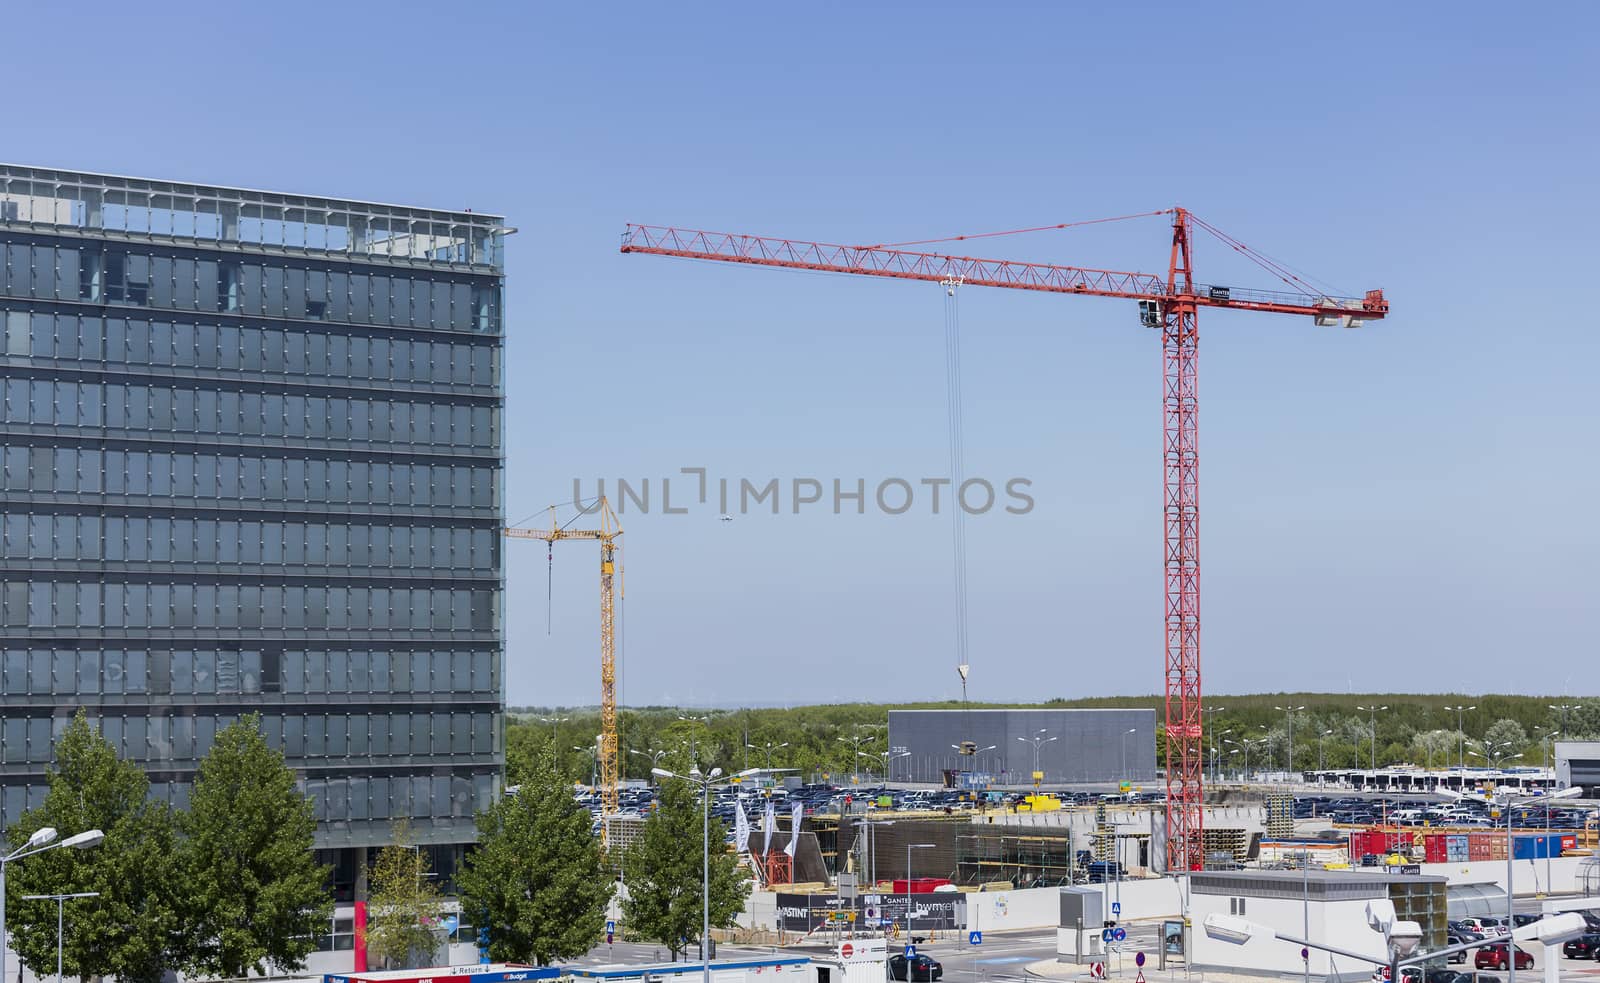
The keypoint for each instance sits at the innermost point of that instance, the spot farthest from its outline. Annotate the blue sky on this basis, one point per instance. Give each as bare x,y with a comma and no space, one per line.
1405,507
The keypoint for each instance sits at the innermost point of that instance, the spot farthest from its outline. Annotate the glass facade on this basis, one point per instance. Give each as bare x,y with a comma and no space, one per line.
250,461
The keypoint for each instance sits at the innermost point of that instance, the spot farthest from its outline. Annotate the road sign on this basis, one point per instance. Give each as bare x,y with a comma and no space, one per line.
975,938
610,938
1097,970
911,951
1105,935
1116,909
611,926
1138,959
1304,953
846,951
1118,934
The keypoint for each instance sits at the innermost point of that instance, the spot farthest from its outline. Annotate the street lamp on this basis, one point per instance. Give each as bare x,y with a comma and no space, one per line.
1216,753
909,848
654,755
43,838
1322,750
1038,740
594,767
694,757
768,747
887,755
1461,732
554,722
705,783
60,900
1372,713
1288,715
1246,744
1130,730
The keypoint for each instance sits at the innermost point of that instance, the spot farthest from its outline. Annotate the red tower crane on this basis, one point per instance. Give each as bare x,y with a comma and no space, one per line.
1169,304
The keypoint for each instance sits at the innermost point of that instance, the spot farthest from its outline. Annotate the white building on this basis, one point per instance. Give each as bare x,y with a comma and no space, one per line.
1326,906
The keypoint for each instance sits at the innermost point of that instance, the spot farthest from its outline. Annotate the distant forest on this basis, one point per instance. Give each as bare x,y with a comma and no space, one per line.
1420,730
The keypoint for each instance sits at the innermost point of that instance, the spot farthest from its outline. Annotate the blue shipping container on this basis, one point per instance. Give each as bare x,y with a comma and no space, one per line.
1535,846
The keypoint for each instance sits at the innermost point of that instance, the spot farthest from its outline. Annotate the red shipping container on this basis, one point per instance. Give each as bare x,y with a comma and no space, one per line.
1435,850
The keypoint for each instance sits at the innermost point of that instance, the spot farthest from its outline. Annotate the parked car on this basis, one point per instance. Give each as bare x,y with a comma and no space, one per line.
1454,939
1448,976
1585,946
922,969
1495,957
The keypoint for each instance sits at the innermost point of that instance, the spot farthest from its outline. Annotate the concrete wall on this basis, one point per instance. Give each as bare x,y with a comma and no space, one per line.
1529,877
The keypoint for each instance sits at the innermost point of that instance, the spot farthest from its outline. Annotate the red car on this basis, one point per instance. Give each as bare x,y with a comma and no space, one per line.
1494,957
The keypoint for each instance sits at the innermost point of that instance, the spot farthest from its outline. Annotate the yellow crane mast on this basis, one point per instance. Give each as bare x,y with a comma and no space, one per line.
610,569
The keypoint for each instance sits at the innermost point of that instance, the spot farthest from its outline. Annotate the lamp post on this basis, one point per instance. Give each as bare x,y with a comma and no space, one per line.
705,783
855,747
887,756
1460,712
694,754
1247,744
909,848
1216,753
60,900
1130,730
1037,741
43,838
1322,750
654,755
554,722
1288,716
768,747
594,763
1372,713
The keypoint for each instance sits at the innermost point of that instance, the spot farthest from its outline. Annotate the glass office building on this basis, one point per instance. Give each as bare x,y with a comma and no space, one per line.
252,459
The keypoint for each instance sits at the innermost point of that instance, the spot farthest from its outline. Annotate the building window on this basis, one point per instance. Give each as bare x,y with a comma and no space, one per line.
315,309
227,286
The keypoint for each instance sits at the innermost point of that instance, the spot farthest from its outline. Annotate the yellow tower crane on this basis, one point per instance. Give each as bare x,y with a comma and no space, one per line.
610,569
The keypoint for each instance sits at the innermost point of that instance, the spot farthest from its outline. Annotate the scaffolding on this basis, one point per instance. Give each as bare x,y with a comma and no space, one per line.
1040,857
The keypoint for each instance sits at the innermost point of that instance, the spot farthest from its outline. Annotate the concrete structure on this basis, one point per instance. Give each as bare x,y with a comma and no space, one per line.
1320,905
252,459
1578,763
1089,747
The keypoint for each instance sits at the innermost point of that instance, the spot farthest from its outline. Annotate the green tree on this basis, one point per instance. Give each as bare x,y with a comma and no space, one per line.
256,894
404,909
663,870
536,880
134,930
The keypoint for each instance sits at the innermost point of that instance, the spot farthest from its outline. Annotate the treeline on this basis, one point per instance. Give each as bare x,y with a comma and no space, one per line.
1329,731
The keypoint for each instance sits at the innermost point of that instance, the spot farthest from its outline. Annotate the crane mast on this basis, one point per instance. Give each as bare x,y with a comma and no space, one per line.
1170,304
607,750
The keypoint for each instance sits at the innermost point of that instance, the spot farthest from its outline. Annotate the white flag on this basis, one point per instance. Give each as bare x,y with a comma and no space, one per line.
794,828
769,819
741,829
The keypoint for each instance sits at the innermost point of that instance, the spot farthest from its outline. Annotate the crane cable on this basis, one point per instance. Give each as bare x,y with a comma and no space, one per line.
954,434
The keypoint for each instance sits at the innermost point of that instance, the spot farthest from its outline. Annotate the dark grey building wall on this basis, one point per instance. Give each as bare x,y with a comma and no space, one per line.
251,453
1089,747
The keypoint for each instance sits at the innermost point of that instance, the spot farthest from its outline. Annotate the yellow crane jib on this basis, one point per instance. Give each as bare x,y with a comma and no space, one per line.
611,589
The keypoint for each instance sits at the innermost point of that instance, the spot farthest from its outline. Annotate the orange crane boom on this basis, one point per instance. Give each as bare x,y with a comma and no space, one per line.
1169,304
611,589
